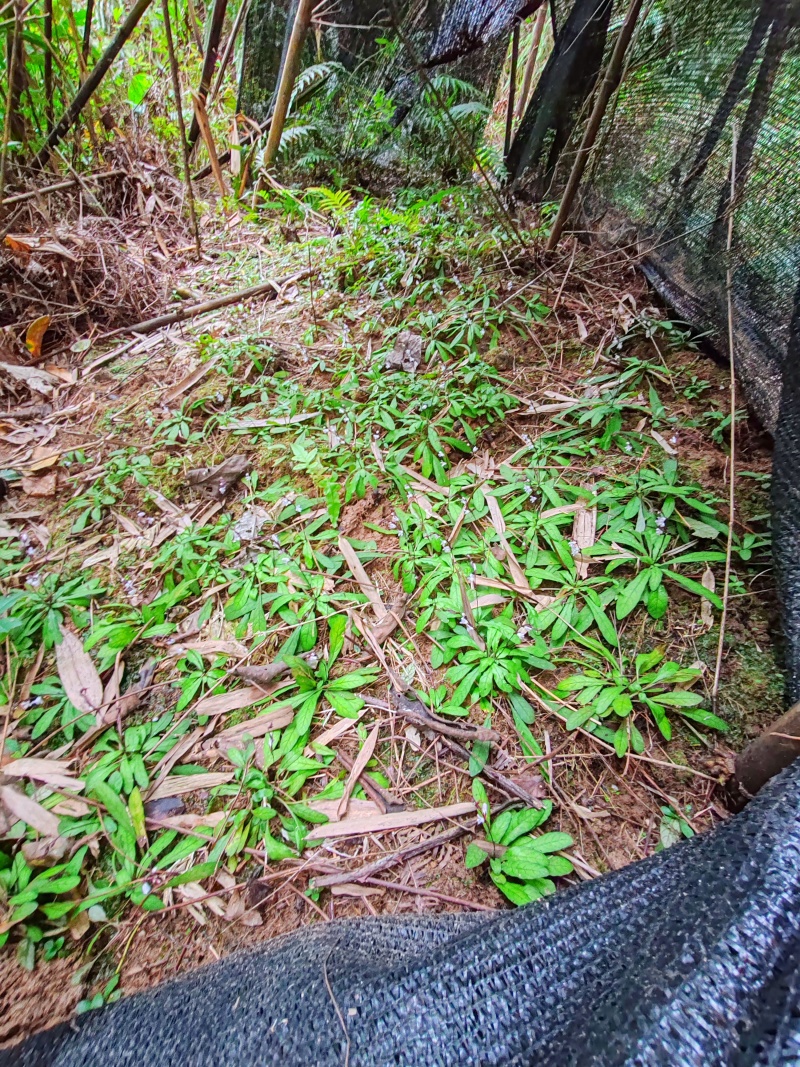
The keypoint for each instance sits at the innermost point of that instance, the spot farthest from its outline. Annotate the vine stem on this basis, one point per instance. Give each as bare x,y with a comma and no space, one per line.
732,467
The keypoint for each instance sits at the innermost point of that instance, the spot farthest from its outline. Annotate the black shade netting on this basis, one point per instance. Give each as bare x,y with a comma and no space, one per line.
689,957
380,77
707,87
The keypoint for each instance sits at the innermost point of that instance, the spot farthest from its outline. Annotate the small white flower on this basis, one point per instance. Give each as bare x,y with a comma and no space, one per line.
575,548
147,889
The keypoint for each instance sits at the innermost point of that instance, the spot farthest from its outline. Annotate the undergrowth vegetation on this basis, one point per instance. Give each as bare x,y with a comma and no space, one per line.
539,557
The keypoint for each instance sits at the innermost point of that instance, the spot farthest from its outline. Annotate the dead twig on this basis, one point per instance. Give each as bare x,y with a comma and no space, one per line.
270,289
369,870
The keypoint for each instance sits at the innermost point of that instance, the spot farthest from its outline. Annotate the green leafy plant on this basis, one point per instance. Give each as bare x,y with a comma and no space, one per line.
491,656
521,864
617,690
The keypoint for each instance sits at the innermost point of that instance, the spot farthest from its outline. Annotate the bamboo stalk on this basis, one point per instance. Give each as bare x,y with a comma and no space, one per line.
533,55
270,289
194,26
732,466
512,88
176,89
291,66
609,84
16,47
48,62
229,45
215,24
87,29
89,86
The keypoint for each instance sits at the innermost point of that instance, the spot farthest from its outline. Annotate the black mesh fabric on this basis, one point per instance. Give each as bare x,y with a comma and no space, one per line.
466,38
689,957
661,171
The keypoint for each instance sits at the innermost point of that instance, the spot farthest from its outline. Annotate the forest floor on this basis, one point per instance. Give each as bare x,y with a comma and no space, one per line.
396,588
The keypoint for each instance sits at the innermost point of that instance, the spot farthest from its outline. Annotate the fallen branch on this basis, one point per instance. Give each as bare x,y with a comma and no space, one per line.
86,91
31,194
369,870
271,288
418,714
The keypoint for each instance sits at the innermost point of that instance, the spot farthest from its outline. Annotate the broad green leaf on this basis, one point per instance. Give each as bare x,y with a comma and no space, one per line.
632,593
555,841
475,857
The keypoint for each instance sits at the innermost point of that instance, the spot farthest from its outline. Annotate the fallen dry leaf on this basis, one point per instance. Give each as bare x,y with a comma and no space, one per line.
365,583
499,523
36,379
359,825
22,808
664,443
189,381
178,784
34,335
47,485
364,756
706,610
584,530
78,673
233,701
52,772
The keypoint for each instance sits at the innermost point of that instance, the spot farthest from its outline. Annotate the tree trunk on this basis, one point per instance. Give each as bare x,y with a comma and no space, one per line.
565,85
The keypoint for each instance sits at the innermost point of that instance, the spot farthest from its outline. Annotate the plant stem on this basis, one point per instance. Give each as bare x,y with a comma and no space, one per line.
732,467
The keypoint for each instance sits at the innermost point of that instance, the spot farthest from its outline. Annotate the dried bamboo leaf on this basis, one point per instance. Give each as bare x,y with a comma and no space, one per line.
365,583
359,825
78,673
363,758
21,807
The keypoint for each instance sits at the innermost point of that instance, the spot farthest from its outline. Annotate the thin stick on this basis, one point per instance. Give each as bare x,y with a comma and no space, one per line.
176,89
400,888
610,82
533,55
336,1008
732,467
512,89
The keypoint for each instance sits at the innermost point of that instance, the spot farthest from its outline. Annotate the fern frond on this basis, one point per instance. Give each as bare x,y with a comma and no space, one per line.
311,79
336,201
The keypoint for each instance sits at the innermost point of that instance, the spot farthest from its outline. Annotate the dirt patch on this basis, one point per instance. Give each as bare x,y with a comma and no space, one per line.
33,1000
